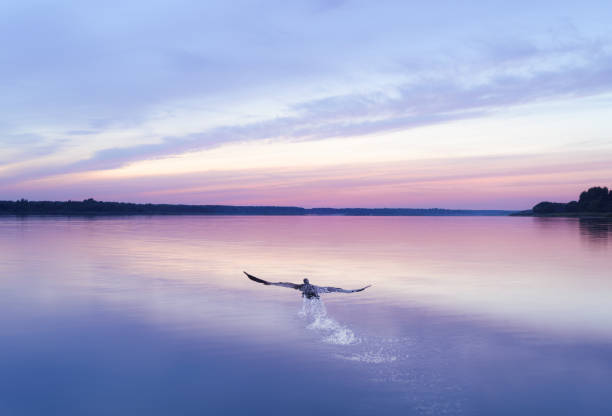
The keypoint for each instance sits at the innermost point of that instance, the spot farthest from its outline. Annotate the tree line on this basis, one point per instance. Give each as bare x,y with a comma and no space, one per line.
595,200
92,207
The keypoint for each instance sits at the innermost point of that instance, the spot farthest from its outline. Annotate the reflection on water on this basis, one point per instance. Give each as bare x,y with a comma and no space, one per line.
153,316
594,230
597,230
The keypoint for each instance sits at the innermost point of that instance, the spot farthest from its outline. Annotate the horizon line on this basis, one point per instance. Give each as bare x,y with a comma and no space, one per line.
93,200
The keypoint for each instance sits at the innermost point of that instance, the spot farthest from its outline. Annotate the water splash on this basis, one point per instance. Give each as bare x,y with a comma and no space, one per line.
314,311
370,357
369,351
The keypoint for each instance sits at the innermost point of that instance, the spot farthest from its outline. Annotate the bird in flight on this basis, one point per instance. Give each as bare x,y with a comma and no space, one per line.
308,291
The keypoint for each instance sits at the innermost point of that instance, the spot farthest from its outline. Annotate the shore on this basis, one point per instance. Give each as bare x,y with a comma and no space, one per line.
530,213
91,207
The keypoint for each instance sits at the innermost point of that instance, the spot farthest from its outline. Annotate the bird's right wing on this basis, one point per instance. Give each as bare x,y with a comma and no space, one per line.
329,289
265,282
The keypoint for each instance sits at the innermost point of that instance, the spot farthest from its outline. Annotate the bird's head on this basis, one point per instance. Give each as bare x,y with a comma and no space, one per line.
306,281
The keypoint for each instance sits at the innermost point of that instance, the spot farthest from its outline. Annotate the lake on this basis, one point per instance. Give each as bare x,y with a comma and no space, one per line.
153,316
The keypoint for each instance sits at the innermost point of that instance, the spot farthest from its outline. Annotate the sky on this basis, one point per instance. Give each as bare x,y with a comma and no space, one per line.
473,104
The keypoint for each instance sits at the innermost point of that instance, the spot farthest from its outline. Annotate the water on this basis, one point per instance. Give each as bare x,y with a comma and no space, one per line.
152,315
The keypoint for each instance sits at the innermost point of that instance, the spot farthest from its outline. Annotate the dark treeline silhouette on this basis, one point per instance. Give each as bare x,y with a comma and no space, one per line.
93,207
596,200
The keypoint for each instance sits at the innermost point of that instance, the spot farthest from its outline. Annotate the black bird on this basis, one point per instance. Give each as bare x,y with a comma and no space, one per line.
308,291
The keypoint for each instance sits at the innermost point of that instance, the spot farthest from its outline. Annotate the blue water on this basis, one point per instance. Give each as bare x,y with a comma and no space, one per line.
152,315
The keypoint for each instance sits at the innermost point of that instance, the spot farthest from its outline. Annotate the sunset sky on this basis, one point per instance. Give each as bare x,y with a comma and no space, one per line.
484,105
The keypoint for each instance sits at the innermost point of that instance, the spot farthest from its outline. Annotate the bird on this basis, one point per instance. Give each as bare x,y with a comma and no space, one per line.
308,290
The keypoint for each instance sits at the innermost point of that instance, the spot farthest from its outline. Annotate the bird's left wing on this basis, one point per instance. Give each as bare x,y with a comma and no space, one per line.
329,289
265,282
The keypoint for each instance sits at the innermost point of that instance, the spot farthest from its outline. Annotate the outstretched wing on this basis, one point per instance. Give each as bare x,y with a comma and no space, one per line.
329,289
283,284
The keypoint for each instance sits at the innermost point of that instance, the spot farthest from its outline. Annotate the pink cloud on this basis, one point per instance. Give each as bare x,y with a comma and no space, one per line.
508,182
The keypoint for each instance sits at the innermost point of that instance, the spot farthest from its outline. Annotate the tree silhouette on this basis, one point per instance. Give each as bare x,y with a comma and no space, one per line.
594,200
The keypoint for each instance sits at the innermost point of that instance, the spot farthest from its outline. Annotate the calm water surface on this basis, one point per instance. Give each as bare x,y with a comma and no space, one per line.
152,315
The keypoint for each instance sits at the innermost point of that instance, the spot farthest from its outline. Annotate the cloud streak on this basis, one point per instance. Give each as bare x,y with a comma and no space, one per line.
496,182
91,87
426,102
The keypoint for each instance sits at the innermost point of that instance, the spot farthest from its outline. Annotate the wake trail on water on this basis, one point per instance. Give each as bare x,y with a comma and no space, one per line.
314,311
388,359
365,350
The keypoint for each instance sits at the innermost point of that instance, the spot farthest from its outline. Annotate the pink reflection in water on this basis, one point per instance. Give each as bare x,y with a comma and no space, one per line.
542,273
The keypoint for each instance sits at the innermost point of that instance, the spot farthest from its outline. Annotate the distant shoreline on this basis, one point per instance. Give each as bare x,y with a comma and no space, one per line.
530,213
596,202
90,207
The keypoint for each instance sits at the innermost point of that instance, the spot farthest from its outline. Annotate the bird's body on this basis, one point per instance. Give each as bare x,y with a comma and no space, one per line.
308,290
